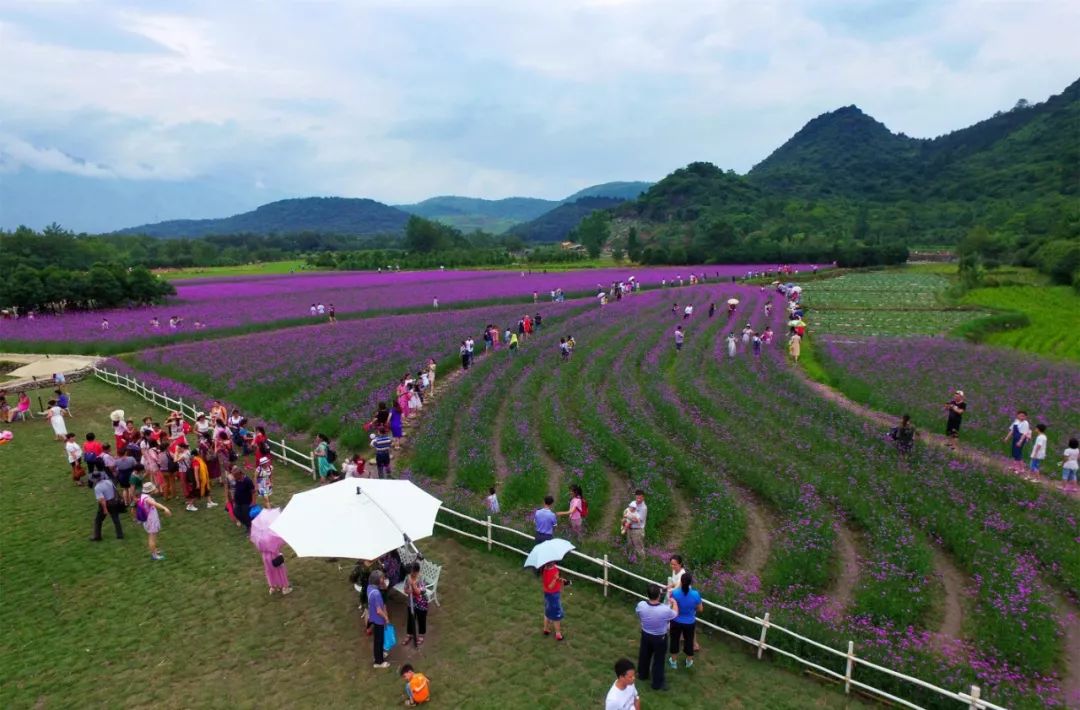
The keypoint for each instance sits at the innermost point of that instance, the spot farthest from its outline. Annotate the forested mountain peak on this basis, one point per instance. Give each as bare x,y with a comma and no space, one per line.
334,215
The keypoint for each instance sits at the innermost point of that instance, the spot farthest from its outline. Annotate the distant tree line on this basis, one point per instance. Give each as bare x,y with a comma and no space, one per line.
52,289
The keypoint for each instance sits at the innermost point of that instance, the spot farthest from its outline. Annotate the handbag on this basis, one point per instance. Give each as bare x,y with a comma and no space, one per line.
389,638
278,561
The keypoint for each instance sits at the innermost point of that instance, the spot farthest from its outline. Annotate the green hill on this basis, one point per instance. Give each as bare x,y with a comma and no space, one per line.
470,213
335,215
618,190
846,183
556,225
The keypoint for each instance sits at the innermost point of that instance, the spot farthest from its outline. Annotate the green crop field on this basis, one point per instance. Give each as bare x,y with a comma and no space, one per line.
1054,312
287,266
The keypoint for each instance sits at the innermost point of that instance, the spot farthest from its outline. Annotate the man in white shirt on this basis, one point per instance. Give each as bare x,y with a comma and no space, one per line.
623,695
637,518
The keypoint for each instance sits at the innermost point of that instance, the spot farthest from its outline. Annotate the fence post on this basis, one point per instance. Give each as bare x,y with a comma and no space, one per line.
850,666
314,468
489,533
975,693
181,401
284,451
764,630
605,575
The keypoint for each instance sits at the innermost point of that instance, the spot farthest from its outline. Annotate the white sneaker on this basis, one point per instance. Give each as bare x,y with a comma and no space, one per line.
384,664
286,590
191,507
211,504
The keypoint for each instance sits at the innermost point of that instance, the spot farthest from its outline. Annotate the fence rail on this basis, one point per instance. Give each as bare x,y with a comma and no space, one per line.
850,660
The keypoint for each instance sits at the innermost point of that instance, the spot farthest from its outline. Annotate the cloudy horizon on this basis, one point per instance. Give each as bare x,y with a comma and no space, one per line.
114,113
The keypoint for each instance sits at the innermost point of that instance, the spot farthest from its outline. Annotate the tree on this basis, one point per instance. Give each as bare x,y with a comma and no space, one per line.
633,246
593,232
617,254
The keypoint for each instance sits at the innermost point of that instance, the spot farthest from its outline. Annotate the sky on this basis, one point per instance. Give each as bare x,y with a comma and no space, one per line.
114,113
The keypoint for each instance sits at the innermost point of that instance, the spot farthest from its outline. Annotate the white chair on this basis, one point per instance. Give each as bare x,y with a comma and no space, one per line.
429,572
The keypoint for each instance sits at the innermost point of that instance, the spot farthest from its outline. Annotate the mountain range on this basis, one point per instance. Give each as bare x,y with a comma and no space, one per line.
358,216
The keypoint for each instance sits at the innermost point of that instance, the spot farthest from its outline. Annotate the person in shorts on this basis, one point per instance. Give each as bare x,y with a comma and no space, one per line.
1069,466
1038,449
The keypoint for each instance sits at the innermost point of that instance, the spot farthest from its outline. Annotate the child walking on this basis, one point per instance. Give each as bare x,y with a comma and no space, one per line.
146,512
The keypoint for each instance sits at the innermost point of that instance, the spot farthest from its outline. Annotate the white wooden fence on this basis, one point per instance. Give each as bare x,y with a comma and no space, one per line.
847,659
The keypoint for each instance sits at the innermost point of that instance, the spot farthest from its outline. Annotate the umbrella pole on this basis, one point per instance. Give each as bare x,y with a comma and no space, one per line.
419,556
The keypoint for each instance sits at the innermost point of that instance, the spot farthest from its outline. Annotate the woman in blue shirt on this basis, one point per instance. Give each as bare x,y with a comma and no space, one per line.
689,604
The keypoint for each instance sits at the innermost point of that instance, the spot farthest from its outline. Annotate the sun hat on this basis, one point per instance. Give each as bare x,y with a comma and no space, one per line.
117,415
264,459
149,488
960,392
200,415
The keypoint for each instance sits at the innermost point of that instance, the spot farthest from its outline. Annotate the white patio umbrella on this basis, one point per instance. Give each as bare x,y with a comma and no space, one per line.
357,518
548,551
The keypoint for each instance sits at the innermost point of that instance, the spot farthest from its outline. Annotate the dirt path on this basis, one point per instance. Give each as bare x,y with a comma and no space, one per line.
754,552
1070,682
997,463
502,470
843,588
954,582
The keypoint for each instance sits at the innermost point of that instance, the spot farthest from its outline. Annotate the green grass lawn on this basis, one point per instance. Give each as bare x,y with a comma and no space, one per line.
270,267
1054,312
99,624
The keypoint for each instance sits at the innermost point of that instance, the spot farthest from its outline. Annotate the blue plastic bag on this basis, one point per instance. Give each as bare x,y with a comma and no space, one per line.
389,638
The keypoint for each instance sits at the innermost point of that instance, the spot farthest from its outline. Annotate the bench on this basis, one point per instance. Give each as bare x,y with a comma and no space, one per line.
429,573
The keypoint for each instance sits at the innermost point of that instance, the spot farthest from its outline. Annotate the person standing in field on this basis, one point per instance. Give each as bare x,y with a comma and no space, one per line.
795,347
955,409
321,453
575,511
416,591
731,344
145,511
108,505
243,497
1019,433
464,356
431,375
903,435
553,610
636,523
545,520
683,626
655,617
712,309
679,338
623,695
491,502
378,616
381,442
1038,449
1069,466
396,428
55,413
74,457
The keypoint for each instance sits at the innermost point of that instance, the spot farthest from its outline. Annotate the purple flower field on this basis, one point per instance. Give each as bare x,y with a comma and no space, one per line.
242,301
329,377
918,375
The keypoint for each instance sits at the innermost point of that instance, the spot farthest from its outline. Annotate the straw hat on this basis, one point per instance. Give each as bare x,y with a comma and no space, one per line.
117,415
149,488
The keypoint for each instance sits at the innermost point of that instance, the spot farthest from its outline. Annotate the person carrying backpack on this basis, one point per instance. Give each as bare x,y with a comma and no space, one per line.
322,453
145,511
578,510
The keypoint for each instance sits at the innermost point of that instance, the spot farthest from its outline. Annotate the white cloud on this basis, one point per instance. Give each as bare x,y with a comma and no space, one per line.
401,100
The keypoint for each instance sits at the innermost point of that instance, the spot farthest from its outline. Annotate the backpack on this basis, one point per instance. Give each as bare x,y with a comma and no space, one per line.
142,511
584,508
331,455
170,463
264,447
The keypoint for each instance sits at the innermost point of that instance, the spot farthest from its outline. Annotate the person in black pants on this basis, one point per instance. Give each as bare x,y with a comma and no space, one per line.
655,617
243,497
108,504
418,608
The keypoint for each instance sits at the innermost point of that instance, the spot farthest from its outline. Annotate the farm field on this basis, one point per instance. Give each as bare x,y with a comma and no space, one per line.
895,302
258,302
74,610
286,266
1054,312
780,501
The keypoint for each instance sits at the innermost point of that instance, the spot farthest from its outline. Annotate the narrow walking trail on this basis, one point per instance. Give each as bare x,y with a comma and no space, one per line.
954,583
842,590
754,552
997,463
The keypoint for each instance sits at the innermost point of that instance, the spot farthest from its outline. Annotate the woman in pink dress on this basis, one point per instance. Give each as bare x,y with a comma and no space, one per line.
403,398
576,510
